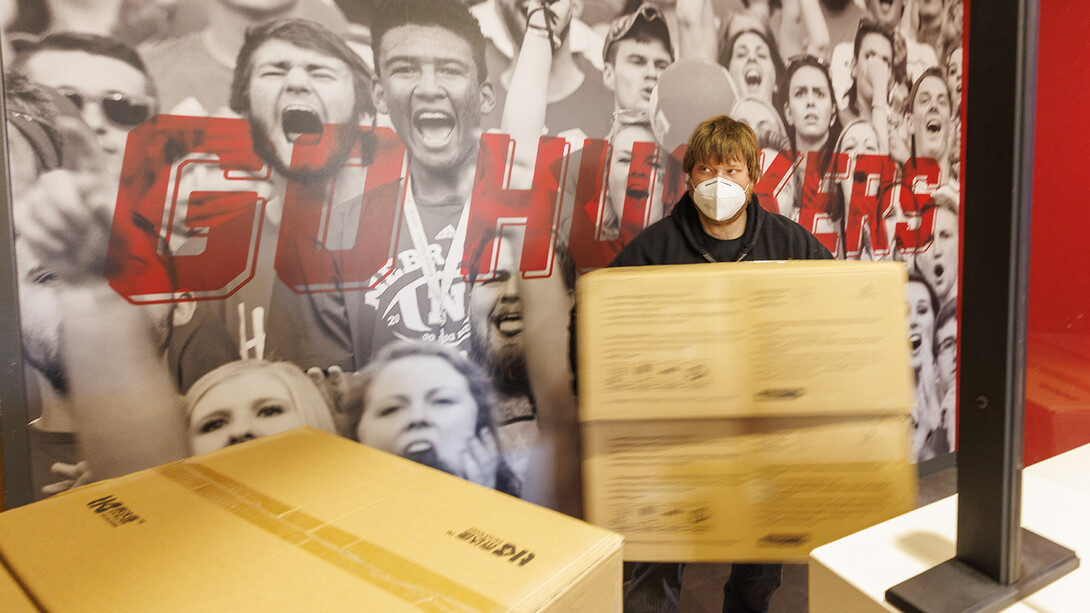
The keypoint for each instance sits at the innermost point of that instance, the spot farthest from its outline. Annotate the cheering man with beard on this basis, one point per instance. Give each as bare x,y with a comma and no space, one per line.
292,77
497,314
520,340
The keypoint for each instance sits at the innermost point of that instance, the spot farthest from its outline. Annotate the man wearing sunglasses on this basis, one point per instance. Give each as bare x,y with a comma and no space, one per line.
109,85
104,78
82,341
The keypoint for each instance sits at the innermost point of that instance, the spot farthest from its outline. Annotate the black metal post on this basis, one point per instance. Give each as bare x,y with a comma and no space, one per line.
998,188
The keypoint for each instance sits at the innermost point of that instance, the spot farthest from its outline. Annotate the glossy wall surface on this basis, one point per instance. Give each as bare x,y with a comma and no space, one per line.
1058,352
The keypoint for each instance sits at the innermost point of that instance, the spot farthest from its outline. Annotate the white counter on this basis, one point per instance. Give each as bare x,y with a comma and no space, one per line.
852,574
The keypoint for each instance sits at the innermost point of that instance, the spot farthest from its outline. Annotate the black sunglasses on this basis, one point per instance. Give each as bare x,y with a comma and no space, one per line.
122,109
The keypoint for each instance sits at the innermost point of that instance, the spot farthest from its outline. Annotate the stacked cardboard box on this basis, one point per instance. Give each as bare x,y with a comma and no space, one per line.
744,411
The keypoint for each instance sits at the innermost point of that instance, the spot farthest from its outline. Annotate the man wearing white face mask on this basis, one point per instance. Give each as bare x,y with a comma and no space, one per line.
717,220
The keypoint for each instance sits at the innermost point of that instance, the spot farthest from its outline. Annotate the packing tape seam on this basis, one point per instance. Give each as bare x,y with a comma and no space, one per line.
368,561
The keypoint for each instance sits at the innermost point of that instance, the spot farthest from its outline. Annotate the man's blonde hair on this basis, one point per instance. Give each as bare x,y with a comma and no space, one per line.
722,139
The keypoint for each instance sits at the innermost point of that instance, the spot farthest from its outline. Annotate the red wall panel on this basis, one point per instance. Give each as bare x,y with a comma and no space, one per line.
1058,351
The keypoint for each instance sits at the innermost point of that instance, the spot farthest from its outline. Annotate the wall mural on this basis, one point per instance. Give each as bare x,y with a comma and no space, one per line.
234,217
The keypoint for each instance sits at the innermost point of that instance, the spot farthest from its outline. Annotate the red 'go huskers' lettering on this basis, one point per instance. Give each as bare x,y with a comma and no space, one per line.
160,204
150,208
154,206
220,213
301,258
922,177
881,203
494,205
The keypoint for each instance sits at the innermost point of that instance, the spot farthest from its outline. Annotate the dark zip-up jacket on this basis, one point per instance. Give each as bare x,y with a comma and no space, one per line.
679,238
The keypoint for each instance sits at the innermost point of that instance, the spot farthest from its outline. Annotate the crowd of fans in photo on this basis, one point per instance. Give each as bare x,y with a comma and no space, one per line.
855,103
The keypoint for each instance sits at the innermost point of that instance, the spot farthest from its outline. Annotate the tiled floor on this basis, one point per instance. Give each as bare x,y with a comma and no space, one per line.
703,586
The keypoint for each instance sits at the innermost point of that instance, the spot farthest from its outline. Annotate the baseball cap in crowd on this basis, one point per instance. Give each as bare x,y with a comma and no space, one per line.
648,19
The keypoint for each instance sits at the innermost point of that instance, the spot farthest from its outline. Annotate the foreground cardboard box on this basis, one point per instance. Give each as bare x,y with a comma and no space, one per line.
304,521
746,411
12,597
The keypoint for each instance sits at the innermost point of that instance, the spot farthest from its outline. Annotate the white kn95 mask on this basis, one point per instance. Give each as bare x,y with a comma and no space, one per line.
719,198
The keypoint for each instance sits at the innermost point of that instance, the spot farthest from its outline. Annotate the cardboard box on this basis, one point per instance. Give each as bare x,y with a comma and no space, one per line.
12,597
305,521
744,411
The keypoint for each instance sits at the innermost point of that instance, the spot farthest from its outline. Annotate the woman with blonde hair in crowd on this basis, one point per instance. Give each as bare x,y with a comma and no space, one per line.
248,399
858,138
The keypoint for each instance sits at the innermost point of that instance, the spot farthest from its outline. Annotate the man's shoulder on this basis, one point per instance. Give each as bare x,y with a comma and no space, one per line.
659,243
667,228
779,221
786,239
